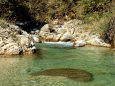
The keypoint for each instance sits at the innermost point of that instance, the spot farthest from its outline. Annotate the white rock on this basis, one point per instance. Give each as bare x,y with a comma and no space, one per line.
95,40
79,43
72,30
7,46
36,38
0,39
13,50
1,44
10,49
37,31
45,28
62,31
24,40
66,37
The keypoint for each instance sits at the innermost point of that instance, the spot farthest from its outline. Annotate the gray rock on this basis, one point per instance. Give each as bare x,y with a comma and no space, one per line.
71,31
13,40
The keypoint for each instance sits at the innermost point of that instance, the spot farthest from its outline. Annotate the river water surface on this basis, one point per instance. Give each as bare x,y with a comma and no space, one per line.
17,70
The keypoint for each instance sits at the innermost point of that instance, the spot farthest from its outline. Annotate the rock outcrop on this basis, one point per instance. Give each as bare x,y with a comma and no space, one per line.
14,41
71,31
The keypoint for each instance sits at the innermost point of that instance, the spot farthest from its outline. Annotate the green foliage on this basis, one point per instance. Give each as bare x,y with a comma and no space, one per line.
2,23
0,1
96,5
13,9
48,10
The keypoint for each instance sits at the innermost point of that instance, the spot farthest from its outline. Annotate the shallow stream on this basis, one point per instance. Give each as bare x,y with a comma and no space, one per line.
18,70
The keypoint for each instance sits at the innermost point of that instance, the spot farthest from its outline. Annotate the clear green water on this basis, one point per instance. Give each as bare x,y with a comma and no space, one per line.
16,70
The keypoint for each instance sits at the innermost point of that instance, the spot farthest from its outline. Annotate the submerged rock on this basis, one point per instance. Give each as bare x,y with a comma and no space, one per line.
112,73
74,74
100,73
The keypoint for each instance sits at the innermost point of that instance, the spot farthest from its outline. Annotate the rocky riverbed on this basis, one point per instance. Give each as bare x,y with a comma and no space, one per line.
73,32
14,40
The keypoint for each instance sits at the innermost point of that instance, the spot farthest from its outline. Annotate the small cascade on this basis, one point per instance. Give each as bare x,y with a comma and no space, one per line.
55,44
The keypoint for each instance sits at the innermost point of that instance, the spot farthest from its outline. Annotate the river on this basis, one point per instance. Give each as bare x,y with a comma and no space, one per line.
17,70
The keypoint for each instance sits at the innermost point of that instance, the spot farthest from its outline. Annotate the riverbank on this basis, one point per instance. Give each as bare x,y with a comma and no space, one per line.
78,23
72,31
15,41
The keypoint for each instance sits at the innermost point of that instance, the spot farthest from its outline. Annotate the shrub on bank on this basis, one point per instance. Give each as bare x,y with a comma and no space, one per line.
48,10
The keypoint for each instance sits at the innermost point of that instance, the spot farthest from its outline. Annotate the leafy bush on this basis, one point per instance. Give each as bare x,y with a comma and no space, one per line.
3,23
48,10
14,9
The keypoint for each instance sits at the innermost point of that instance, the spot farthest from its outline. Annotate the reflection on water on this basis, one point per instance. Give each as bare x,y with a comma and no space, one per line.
17,70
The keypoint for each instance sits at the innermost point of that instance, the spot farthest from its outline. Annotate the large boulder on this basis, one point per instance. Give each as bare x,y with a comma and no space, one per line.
14,49
57,37
9,49
80,43
25,40
52,37
62,30
66,37
96,41
14,41
45,28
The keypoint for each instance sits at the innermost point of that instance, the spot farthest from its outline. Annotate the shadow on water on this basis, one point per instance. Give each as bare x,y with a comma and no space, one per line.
74,74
